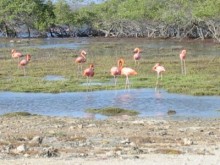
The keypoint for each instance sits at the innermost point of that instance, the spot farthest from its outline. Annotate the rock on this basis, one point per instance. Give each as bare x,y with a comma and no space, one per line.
118,153
211,133
138,122
36,140
26,155
91,125
126,141
80,126
110,154
72,128
21,148
49,152
171,112
187,142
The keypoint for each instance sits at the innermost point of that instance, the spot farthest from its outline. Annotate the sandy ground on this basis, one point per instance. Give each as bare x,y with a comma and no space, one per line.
151,159
125,140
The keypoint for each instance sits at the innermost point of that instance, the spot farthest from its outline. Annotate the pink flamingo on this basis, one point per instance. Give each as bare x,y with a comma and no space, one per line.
127,72
89,72
137,55
24,62
80,60
182,59
116,71
16,54
159,69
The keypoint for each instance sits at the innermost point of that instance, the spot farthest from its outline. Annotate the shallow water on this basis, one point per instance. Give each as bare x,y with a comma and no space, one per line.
145,101
54,78
116,46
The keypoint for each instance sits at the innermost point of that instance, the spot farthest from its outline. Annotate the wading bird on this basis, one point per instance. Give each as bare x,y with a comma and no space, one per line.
15,54
159,69
80,60
137,55
127,72
89,73
183,63
116,71
24,62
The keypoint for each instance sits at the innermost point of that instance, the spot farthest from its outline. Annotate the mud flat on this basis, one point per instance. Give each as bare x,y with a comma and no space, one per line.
117,140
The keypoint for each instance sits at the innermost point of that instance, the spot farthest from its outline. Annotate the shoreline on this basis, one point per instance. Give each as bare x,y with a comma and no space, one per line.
116,140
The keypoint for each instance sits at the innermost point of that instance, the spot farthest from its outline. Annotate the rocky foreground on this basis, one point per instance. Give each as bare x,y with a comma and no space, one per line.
116,138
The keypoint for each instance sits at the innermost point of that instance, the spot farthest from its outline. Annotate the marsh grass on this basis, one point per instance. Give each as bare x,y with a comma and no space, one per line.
113,111
13,114
202,77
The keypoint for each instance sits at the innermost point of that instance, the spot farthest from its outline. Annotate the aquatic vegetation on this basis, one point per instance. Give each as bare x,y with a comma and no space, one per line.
113,111
13,114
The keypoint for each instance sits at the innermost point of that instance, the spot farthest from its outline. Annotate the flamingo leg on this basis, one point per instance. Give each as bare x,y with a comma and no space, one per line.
90,80
159,77
184,65
137,63
79,69
87,83
157,82
24,70
115,80
87,80
181,66
18,62
127,83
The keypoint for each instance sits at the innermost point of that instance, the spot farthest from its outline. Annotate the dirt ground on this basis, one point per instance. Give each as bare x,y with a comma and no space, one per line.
117,140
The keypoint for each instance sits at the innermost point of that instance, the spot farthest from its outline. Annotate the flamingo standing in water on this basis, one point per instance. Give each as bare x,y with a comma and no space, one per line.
89,72
24,62
159,69
80,60
127,72
137,55
182,59
15,54
116,71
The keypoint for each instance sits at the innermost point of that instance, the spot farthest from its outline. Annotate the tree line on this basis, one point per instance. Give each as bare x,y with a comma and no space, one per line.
199,19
